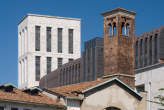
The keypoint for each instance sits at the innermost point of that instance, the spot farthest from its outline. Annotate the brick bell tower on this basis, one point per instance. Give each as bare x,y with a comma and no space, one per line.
119,45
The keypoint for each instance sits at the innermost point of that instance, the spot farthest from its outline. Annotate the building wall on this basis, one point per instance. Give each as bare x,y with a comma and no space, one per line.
73,105
92,60
86,68
8,106
113,96
69,73
147,53
152,78
26,45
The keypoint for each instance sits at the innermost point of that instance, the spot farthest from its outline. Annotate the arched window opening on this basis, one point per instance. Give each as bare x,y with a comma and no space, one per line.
110,30
112,108
127,30
123,29
114,29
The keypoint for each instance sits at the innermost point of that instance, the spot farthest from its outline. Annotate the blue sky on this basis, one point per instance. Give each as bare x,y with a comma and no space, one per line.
149,15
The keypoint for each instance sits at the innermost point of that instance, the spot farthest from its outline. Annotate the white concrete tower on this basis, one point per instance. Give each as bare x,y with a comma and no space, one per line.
44,44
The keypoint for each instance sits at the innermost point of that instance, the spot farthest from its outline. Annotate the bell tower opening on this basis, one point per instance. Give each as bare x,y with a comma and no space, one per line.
119,45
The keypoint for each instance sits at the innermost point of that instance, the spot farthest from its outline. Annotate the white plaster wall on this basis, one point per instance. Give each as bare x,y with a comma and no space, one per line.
26,45
73,105
111,96
8,106
153,80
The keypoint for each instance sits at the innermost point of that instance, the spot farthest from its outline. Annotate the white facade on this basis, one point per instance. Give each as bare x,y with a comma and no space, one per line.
153,80
9,105
26,45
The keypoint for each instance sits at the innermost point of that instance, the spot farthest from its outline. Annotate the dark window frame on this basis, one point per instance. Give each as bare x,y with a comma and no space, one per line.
37,68
156,48
60,62
150,50
60,38
48,34
70,40
14,108
2,108
37,38
49,64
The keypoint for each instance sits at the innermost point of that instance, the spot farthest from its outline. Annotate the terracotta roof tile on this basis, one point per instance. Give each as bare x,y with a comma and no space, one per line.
18,95
73,89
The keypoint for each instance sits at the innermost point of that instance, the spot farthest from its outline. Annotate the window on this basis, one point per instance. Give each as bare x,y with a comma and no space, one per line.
37,68
155,48
145,64
93,63
110,30
114,29
70,43
127,29
70,59
14,108
150,50
84,64
136,59
140,88
48,65
112,108
1,108
26,109
67,76
123,29
141,55
79,73
60,40
60,62
89,61
37,38
48,39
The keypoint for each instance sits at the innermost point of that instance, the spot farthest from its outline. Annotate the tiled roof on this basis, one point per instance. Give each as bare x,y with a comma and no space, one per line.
20,96
73,89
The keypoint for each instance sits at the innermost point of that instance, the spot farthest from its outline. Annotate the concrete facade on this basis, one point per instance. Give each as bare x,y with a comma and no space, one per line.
26,45
152,79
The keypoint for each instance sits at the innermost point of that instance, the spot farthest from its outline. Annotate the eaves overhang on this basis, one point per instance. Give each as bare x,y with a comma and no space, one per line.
32,103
